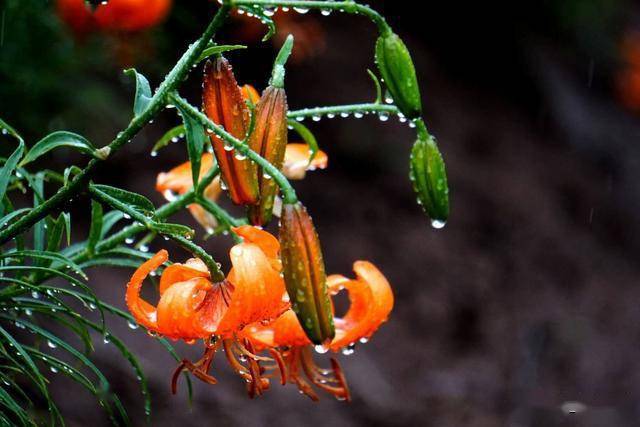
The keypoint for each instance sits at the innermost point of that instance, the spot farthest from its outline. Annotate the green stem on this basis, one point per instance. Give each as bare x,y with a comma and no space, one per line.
288,192
421,129
336,110
159,100
214,268
348,6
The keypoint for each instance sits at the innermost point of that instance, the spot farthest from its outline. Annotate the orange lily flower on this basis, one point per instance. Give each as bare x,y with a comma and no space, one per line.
371,301
191,307
179,179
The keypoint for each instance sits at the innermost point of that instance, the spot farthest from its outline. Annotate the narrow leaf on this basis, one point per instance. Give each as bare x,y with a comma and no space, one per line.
195,143
55,140
143,92
96,226
127,198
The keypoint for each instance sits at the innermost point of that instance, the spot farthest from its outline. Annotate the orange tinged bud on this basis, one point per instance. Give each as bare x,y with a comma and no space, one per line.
224,104
269,139
304,273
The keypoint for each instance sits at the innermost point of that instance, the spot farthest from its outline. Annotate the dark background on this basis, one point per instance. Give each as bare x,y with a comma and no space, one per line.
523,307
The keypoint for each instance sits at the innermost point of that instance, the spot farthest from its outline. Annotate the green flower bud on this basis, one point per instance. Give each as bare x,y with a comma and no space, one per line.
396,67
430,180
304,274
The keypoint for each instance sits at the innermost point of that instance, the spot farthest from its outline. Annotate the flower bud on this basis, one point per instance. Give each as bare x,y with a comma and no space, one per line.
427,172
396,67
269,139
304,273
224,105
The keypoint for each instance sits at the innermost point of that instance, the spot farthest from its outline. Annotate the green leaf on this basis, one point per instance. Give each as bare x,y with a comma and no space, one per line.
119,198
38,197
5,129
102,380
55,140
218,49
51,256
376,83
54,237
308,137
9,167
143,92
67,226
96,226
173,229
172,135
195,143
109,220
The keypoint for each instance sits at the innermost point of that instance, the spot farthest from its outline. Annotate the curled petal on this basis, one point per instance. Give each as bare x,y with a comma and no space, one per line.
144,313
265,241
371,300
258,289
296,161
192,269
191,309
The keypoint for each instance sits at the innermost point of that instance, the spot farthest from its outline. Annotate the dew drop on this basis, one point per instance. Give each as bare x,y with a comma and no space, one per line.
325,12
349,350
320,349
132,325
51,344
438,224
358,115
144,248
53,369
301,10
316,118
128,240
383,117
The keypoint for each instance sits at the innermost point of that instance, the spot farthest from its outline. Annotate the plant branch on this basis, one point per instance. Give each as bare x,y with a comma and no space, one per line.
336,110
348,6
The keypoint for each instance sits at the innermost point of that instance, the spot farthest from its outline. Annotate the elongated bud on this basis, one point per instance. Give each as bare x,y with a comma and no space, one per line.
396,67
429,177
269,139
304,273
224,104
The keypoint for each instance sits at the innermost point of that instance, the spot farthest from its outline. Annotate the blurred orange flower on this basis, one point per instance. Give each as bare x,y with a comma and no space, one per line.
179,179
114,16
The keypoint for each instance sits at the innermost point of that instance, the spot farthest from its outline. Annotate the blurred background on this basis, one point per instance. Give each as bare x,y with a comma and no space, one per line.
522,311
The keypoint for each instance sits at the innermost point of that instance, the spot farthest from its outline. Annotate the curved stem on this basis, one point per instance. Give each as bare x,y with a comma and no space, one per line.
288,192
348,6
370,107
158,101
